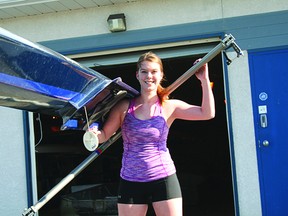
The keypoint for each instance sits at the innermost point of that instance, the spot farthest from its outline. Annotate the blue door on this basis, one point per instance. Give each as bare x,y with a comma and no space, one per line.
269,82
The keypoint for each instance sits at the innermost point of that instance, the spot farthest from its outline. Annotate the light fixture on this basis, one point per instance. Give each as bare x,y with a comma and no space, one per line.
117,22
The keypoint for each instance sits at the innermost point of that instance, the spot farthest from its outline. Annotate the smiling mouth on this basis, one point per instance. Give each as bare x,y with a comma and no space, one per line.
149,82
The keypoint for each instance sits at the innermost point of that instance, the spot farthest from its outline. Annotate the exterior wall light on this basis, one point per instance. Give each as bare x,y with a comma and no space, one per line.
117,22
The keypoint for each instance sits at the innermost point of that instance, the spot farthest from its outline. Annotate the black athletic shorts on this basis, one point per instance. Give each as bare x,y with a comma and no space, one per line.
147,192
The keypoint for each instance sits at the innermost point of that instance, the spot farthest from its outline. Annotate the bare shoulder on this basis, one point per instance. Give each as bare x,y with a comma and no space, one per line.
172,104
119,110
169,107
122,105
178,109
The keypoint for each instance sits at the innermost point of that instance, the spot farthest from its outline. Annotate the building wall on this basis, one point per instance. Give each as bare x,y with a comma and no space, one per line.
139,15
13,183
158,14
244,138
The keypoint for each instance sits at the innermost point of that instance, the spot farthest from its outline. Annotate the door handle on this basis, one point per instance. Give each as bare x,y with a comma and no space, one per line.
263,121
265,143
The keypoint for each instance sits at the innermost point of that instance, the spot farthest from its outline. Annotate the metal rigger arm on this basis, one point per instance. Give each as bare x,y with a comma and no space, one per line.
226,43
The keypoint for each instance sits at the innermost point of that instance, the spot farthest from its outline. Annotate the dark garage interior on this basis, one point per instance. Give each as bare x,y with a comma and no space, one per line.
200,150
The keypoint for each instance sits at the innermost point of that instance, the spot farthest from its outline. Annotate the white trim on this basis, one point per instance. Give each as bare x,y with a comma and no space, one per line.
154,46
130,55
19,3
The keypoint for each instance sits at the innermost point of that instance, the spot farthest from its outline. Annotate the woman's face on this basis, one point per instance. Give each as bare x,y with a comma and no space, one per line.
149,76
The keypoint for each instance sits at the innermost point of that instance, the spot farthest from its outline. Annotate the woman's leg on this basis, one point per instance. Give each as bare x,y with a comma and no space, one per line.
167,197
171,207
132,198
132,209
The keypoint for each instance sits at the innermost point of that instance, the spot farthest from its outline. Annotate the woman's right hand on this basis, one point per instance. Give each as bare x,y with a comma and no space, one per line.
202,73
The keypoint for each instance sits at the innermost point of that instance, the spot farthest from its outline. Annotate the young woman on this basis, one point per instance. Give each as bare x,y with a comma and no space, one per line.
148,173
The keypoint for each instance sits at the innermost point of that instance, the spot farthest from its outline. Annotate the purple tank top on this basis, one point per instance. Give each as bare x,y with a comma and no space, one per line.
146,156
